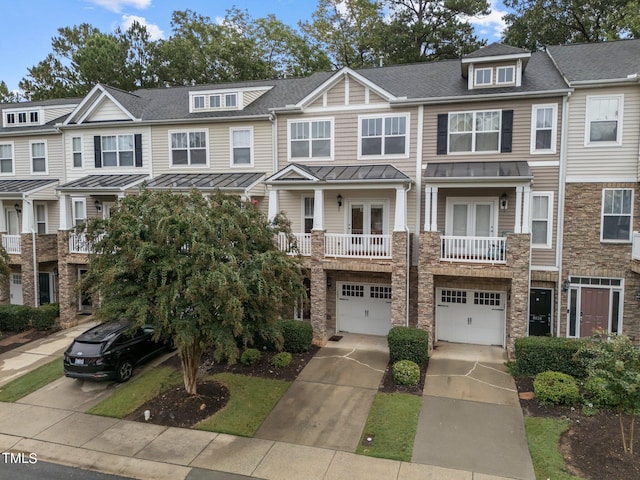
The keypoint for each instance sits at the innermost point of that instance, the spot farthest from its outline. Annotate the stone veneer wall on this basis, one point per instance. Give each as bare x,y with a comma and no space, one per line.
399,277
318,288
67,275
26,260
585,255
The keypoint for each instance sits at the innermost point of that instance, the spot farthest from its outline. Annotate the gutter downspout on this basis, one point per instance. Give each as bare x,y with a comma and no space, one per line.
419,140
561,202
274,140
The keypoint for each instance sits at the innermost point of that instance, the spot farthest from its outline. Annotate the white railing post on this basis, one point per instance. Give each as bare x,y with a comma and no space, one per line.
473,249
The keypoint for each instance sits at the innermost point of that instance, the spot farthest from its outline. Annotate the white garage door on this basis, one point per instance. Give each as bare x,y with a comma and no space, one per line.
470,316
364,308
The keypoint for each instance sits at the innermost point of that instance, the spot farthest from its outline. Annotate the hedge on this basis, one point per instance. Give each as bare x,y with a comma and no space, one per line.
408,343
18,318
297,335
540,354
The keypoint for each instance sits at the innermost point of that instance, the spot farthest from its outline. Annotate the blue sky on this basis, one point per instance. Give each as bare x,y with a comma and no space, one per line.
28,26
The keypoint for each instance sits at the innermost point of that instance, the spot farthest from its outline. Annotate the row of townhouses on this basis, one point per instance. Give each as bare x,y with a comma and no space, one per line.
482,199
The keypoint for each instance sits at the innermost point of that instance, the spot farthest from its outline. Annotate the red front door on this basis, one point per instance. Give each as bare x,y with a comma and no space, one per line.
594,309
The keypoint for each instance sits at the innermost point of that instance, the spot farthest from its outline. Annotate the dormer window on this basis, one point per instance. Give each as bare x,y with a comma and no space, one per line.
22,117
505,75
11,118
198,102
15,117
214,101
484,76
33,117
231,100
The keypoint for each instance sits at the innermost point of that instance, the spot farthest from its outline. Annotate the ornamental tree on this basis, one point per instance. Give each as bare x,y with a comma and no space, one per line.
204,271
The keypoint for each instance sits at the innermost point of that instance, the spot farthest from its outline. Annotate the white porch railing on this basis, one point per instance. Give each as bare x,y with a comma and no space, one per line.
635,247
357,246
79,243
11,243
473,249
302,244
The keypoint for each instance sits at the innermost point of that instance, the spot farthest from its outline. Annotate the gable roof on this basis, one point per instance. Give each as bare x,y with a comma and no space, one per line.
338,174
497,49
617,60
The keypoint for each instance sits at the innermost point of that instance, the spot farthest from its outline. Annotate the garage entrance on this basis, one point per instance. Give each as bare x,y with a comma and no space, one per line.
364,308
470,316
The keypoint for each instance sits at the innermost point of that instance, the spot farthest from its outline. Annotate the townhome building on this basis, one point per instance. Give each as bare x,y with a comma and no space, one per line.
31,167
600,252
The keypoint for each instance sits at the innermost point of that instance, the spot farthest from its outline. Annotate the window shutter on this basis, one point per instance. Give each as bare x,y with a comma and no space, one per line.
443,121
138,149
97,149
507,131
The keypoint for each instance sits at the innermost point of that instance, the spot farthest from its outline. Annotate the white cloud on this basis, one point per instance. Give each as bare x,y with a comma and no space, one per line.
154,31
117,5
490,26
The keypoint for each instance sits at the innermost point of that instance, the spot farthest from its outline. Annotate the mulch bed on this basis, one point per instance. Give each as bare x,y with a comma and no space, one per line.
387,385
12,340
592,447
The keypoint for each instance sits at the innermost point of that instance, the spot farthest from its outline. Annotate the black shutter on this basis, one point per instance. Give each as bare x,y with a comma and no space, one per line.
97,150
443,124
138,149
507,131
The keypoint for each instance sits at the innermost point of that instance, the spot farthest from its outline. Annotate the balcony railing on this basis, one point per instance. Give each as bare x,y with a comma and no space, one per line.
11,243
302,244
473,249
79,243
357,246
635,247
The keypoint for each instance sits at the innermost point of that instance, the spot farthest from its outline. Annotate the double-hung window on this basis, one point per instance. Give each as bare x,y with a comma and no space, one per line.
474,131
241,143
76,151
505,75
604,120
188,148
617,211
311,139
117,150
6,158
79,210
543,128
383,135
483,76
38,157
541,215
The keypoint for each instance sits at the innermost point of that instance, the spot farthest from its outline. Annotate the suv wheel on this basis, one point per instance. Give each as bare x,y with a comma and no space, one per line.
125,370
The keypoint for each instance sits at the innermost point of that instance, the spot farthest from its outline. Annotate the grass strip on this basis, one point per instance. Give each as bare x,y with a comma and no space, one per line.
251,400
392,423
132,395
543,435
32,381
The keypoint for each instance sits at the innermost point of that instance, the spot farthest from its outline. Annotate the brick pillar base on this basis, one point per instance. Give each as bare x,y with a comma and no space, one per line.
318,288
28,280
66,283
518,260
429,256
399,279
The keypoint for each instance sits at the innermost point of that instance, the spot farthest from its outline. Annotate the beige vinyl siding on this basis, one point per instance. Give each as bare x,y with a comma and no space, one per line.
22,157
318,102
107,111
545,179
251,96
336,95
356,93
521,145
603,163
56,112
219,138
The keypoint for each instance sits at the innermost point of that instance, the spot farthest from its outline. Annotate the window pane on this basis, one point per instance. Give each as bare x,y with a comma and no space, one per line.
486,142
372,146
178,140
460,220
125,142
197,139
321,130
539,232
321,148
395,126
6,166
39,165
77,160
603,132
77,144
299,131
37,149
126,159
460,143
300,149
109,159
198,156
540,207
371,127
109,143
461,122
543,139
394,145
242,156
230,100
241,138
616,227
179,157
308,206
5,151
626,201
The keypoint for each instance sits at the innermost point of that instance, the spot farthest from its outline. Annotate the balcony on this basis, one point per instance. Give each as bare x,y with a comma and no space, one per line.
79,243
302,244
490,250
11,243
357,246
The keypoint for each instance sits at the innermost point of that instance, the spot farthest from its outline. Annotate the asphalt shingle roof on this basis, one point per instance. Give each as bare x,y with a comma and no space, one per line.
496,49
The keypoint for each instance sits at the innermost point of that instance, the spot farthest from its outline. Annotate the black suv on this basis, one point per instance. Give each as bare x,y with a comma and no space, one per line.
109,351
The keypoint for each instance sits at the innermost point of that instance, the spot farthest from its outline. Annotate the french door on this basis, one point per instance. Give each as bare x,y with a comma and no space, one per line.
471,218
367,220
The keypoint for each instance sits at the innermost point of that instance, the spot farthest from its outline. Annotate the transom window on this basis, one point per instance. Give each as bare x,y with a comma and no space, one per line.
383,136
541,211
6,158
189,148
38,157
543,129
474,131
483,76
117,150
617,209
505,75
241,146
604,116
311,139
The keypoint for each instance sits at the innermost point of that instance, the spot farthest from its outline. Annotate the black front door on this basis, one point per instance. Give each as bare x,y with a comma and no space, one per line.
540,301
44,288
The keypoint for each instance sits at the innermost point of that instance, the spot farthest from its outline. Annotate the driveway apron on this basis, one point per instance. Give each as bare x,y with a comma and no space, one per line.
328,404
471,417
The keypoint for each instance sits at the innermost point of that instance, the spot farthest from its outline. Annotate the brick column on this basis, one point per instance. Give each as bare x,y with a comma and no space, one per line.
429,256
518,260
66,283
318,288
26,260
399,279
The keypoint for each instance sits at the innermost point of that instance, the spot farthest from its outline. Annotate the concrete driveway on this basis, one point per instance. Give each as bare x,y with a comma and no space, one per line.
328,404
471,417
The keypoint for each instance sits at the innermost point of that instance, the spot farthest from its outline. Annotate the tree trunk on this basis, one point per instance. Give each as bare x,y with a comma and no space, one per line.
190,356
631,430
624,439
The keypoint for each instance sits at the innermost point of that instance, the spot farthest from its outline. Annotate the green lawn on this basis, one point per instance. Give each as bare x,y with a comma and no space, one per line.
543,435
392,422
251,400
32,381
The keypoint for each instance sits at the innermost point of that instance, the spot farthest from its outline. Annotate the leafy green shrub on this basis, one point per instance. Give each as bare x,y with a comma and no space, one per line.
556,388
408,343
597,393
14,318
44,317
281,360
250,356
539,354
406,372
297,335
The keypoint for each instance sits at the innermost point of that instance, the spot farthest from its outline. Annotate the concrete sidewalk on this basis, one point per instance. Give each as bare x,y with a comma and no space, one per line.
62,434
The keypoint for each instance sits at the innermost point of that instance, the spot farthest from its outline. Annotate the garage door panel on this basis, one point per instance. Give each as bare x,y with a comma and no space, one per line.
364,308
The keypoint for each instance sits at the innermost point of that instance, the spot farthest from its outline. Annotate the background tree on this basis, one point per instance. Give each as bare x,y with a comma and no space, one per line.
204,271
535,23
6,96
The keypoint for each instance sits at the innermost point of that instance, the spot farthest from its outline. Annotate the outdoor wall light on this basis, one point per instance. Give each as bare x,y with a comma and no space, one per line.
566,284
339,201
503,201
98,206
18,209
329,282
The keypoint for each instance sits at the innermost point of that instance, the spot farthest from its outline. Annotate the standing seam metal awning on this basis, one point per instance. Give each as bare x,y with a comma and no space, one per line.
340,174
205,181
21,187
103,183
477,172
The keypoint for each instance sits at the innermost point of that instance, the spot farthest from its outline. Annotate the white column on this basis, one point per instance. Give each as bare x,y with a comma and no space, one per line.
3,220
526,209
434,209
427,209
400,223
27,216
274,204
517,228
65,212
318,210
